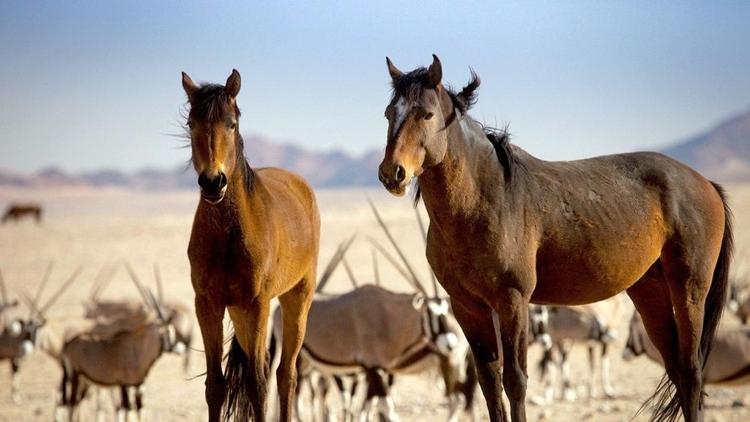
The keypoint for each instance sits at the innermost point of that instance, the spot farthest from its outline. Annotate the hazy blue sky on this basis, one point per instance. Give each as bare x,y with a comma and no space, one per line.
92,84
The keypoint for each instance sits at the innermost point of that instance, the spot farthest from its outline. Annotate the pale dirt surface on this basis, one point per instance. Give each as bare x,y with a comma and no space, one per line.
96,227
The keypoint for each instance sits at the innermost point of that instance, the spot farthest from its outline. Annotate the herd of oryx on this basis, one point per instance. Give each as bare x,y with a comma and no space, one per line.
112,344
505,230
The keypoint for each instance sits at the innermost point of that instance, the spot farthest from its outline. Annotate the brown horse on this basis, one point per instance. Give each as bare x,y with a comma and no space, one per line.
507,229
255,237
17,211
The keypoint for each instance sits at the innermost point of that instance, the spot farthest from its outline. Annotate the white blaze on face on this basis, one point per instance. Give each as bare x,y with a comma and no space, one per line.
401,111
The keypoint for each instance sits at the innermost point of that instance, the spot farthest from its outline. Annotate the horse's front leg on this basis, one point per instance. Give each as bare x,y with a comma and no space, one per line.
513,313
476,321
295,305
210,318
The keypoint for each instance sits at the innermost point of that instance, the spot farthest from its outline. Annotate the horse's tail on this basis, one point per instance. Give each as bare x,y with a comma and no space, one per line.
665,397
240,380
717,293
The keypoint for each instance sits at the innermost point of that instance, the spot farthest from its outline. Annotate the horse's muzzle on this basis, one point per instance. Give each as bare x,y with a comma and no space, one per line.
393,178
213,186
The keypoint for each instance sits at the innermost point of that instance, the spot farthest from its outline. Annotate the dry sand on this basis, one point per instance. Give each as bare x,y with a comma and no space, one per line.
101,226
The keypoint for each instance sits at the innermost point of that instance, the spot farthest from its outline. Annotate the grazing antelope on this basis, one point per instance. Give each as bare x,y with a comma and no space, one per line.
729,361
375,331
590,325
178,315
17,211
19,336
255,237
507,229
118,351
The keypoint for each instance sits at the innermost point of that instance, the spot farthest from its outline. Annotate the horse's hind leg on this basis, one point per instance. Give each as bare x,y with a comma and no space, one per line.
650,295
295,305
689,279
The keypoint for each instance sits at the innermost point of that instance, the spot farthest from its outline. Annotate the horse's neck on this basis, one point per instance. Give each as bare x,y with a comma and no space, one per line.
452,190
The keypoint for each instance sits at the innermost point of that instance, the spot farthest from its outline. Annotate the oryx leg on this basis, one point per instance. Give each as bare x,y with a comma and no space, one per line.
75,398
476,322
99,397
346,386
295,305
592,369
139,402
15,397
210,319
609,391
123,411
568,391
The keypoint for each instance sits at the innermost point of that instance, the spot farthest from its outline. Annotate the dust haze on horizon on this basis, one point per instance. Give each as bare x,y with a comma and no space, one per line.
89,86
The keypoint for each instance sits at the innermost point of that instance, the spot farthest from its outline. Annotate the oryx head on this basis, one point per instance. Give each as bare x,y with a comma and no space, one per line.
171,340
539,326
435,312
24,333
28,328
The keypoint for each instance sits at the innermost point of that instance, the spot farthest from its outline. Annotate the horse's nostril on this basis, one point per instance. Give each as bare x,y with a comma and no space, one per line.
222,180
203,180
400,173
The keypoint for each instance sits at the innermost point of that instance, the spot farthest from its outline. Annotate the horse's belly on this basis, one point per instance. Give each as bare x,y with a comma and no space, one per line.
590,277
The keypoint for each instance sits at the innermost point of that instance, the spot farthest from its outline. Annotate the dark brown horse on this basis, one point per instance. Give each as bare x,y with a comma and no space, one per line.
255,237
507,229
17,211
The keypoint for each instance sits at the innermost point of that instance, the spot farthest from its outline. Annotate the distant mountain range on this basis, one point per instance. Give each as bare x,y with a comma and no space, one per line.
322,169
722,153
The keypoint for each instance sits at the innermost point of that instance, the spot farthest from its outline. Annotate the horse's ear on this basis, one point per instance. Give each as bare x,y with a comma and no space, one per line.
232,87
393,70
189,86
435,72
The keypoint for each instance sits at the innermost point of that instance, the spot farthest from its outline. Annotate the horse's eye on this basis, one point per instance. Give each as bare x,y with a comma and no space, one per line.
231,125
428,116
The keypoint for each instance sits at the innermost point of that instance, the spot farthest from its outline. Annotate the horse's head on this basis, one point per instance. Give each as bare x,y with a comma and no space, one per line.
418,114
214,133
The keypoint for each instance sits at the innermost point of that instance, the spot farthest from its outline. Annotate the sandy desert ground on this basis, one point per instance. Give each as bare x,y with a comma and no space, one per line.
94,227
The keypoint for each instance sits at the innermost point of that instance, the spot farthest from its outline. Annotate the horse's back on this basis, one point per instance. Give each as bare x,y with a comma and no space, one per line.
290,188
623,210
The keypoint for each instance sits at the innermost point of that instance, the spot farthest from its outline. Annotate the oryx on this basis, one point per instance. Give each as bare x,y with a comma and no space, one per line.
19,335
590,325
728,363
119,351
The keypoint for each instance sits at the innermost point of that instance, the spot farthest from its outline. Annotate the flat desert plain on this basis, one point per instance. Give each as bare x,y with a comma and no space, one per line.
99,227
